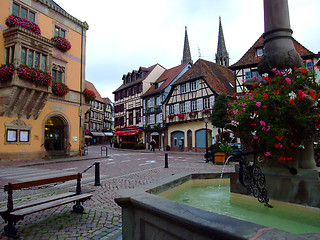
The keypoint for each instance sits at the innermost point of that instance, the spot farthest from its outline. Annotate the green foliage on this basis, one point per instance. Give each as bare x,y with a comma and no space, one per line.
279,114
219,116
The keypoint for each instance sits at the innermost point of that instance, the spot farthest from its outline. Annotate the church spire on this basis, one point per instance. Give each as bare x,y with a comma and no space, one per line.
222,56
186,49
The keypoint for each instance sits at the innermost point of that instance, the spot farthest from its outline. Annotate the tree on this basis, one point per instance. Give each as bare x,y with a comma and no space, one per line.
219,114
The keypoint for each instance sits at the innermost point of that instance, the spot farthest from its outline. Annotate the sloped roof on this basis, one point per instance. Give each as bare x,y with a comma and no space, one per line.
250,57
218,77
90,86
148,70
166,77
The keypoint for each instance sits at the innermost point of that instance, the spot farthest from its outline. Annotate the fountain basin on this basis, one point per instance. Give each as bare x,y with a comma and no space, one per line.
148,216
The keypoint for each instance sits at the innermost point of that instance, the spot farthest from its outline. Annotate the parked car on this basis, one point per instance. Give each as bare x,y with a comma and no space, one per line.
236,152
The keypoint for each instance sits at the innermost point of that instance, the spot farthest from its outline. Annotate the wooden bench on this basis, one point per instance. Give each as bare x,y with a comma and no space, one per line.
12,214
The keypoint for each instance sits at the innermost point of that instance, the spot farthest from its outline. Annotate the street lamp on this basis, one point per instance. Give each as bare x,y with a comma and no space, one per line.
206,120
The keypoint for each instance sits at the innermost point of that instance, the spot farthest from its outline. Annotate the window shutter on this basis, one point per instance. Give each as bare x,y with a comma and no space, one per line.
160,118
152,120
200,104
176,108
211,101
144,120
167,109
188,106
198,84
179,90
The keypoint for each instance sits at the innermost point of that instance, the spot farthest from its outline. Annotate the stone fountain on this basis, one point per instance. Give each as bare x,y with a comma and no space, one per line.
298,180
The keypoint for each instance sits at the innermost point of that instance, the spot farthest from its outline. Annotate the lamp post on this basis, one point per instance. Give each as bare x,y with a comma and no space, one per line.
206,120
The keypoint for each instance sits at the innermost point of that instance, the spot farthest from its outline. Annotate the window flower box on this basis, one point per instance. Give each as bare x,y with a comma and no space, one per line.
13,21
193,114
6,72
89,95
171,116
36,76
206,111
59,89
61,43
181,115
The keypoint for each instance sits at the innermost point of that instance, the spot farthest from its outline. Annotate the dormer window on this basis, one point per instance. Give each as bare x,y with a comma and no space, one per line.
259,52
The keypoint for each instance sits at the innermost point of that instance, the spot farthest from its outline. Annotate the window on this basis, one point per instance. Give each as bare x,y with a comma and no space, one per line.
23,12
59,32
184,88
182,107
194,86
9,54
259,52
17,132
206,103
12,135
33,59
171,109
194,106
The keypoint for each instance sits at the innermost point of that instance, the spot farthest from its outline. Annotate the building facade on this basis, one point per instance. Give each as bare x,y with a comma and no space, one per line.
189,104
153,112
94,117
128,108
247,66
108,124
42,60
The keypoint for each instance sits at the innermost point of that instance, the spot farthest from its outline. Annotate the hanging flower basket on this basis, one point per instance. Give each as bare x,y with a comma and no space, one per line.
280,114
171,116
6,72
59,89
192,114
13,21
181,115
89,95
61,43
36,76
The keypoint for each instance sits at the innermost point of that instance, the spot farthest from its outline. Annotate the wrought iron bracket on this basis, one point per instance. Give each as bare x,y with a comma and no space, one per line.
252,178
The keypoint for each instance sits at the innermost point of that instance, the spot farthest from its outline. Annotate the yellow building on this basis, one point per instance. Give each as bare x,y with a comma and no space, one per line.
42,74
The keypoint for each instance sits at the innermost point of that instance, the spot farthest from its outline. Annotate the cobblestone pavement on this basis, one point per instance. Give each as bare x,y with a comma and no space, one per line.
102,218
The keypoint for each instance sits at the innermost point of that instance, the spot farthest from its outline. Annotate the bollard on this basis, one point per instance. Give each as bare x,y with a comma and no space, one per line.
97,174
166,160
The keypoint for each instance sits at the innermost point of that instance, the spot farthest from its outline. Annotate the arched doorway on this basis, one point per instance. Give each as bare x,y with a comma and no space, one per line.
54,136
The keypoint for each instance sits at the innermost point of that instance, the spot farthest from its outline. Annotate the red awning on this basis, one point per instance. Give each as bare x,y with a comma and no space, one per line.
126,133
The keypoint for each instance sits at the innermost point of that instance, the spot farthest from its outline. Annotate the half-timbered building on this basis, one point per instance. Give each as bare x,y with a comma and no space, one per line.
190,101
153,114
247,66
128,102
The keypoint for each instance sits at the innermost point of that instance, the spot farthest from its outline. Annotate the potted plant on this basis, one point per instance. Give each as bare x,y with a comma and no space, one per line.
89,95
6,72
192,114
181,115
59,89
220,151
279,116
13,21
61,43
171,116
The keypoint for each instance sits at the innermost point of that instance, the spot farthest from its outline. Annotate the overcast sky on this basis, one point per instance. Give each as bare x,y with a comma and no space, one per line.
125,34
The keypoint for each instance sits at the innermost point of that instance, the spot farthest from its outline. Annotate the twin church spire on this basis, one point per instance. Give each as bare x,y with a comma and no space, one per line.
222,56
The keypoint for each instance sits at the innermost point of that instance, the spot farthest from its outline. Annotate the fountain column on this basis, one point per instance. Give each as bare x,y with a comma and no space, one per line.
279,51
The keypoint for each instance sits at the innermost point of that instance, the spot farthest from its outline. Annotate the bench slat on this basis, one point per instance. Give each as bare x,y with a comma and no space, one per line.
40,182
48,205
40,201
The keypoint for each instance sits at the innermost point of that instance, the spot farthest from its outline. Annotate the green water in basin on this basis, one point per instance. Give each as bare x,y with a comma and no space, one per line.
208,196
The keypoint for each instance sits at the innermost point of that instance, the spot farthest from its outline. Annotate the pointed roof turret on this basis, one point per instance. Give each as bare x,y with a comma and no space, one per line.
186,49
222,56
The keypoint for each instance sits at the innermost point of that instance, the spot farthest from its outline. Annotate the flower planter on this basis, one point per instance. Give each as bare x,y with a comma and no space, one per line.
219,158
61,43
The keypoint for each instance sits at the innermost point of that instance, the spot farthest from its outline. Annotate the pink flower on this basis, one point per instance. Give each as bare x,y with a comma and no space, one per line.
251,98
235,111
288,80
258,104
267,154
255,137
262,123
